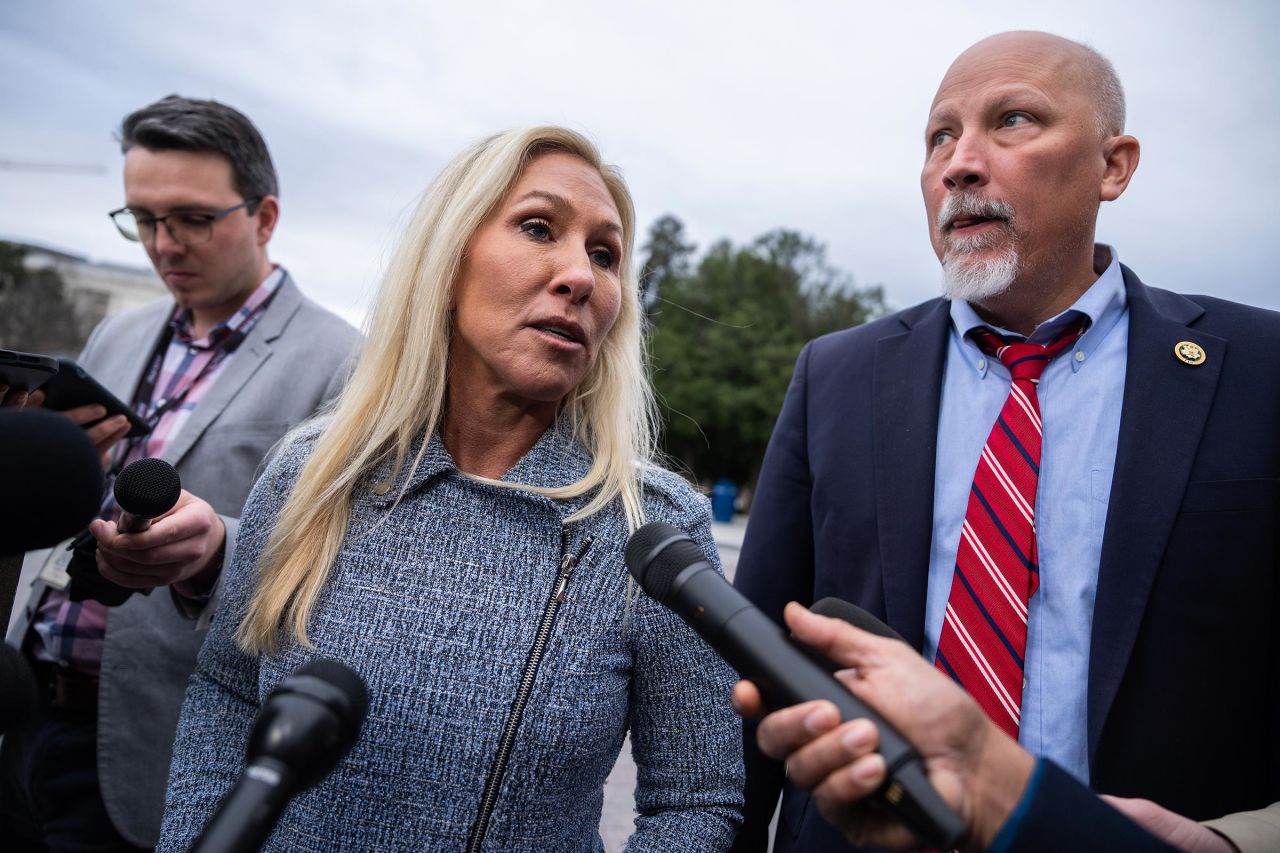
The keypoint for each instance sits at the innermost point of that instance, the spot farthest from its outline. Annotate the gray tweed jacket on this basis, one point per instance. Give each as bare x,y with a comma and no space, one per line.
436,602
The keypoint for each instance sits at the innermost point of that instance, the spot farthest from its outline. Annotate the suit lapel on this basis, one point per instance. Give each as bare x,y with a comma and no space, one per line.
907,392
1166,405
123,374
237,372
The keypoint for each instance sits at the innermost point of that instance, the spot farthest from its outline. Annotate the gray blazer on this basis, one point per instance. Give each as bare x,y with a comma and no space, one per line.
294,360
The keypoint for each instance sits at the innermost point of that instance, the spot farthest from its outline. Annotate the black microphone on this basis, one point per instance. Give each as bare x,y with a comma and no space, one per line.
838,608
50,480
304,728
145,489
671,568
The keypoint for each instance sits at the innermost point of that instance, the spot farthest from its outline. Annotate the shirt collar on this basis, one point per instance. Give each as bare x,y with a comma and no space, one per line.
180,322
1103,303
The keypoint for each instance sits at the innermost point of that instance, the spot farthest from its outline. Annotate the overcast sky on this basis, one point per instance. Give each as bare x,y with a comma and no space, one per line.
738,117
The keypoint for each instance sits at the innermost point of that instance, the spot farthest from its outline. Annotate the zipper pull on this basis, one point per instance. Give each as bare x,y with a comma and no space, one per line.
568,563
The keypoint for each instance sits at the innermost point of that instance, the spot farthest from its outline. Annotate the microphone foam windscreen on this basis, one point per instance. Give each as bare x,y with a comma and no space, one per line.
656,572
148,487
50,479
345,680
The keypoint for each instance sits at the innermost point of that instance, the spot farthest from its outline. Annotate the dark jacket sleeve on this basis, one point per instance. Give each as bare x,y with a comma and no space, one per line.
1057,813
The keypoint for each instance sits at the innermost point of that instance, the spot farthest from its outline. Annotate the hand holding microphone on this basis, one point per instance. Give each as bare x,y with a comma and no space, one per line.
976,768
672,569
165,534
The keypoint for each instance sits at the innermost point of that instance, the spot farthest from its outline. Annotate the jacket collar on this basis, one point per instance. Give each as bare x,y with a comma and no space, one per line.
557,458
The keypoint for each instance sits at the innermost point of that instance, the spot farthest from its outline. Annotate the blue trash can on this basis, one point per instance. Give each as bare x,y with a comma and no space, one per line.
722,497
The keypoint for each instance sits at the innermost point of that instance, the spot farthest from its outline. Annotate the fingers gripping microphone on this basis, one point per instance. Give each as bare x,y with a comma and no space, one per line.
144,490
305,727
671,568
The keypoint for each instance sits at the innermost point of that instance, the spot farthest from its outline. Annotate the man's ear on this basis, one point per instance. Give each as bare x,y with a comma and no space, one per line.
268,215
1121,154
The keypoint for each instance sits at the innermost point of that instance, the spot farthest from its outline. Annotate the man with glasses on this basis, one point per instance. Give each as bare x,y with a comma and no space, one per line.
223,370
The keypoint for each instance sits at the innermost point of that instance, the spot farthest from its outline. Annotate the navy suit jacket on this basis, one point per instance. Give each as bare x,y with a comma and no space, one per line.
1183,675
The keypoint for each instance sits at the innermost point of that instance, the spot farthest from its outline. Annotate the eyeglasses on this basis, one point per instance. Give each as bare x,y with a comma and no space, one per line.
186,228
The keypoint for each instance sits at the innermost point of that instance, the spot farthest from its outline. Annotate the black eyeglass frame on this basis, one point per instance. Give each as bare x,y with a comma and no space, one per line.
212,217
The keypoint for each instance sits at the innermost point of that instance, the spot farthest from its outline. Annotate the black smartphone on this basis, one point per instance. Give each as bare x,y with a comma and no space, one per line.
25,371
72,386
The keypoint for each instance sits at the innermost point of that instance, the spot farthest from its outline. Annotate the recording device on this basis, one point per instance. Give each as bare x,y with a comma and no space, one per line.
50,480
72,386
145,489
25,371
671,568
18,700
304,728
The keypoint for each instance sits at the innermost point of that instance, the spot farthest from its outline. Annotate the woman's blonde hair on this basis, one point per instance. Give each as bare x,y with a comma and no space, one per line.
406,349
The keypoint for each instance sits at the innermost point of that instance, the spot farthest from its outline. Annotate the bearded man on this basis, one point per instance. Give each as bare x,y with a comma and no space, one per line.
1059,484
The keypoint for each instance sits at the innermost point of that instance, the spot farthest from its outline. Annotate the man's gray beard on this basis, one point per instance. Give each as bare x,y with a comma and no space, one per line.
969,278
978,279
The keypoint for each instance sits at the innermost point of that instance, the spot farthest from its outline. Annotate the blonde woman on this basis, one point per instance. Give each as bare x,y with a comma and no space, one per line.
454,532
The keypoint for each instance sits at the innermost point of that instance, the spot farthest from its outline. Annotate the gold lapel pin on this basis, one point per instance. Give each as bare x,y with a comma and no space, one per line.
1189,353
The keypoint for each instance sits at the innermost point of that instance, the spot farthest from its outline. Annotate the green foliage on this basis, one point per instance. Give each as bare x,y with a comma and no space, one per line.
36,312
724,339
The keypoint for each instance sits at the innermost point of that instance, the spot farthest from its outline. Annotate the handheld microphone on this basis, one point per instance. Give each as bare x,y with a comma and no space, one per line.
671,568
838,608
50,480
304,728
145,489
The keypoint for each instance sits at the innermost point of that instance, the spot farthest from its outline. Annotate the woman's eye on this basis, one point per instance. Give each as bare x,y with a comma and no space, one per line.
536,228
602,257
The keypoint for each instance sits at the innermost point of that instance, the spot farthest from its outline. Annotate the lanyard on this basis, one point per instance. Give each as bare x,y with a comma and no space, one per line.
152,411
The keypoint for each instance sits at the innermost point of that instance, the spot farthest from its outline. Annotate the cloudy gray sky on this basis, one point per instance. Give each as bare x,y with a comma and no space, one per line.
737,117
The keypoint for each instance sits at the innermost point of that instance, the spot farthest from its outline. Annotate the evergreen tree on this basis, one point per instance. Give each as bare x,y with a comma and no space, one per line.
36,312
725,338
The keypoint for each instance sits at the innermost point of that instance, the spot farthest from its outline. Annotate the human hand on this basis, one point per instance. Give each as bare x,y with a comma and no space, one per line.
103,434
184,544
1170,827
14,398
977,769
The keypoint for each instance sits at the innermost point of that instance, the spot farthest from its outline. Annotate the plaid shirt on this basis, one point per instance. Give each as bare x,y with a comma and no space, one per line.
73,631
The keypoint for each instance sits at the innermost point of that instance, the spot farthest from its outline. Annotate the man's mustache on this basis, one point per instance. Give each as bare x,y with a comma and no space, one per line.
968,205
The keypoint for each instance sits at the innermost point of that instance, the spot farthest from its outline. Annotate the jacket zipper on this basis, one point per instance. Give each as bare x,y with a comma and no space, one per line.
493,783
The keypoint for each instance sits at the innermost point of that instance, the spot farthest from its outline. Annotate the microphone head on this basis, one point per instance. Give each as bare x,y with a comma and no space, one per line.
50,479
352,697
311,720
148,488
838,608
656,554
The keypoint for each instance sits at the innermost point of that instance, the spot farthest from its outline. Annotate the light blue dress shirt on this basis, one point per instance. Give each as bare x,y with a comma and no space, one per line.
1080,395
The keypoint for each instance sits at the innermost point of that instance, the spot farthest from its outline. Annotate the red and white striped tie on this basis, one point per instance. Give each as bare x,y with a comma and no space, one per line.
984,635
